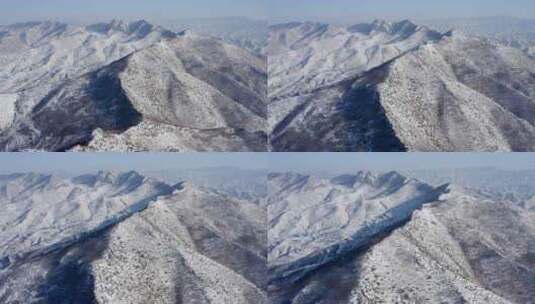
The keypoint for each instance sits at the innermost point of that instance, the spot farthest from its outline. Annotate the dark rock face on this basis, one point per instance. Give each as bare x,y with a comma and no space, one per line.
329,284
4,263
355,121
234,256
244,84
68,277
68,115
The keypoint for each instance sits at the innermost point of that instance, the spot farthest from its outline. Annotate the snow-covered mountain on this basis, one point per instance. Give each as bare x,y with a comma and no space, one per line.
42,211
467,248
125,238
356,238
307,56
369,238
128,86
396,86
313,221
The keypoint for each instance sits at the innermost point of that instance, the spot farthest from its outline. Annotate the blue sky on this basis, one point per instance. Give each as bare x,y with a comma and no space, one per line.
91,162
24,10
90,10
414,9
334,162
348,162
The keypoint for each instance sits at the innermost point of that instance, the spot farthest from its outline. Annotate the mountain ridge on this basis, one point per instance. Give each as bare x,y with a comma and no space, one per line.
458,246
214,90
402,196
424,75
213,242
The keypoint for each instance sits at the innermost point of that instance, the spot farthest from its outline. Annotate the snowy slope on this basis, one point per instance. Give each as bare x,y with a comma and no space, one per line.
40,53
437,100
467,248
457,247
195,254
187,245
42,211
164,91
305,56
396,87
314,221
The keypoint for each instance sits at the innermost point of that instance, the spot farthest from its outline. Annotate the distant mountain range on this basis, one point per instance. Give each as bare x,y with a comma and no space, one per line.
251,34
515,32
245,184
517,187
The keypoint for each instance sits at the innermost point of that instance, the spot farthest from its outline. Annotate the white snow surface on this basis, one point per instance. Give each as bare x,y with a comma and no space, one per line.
306,56
7,102
449,240
308,216
36,53
458,247
167,265
42,212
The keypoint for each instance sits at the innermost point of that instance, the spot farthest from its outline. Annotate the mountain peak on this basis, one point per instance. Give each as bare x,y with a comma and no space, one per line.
105,28
129,177
403,27
107,177
350,180
140,28
118,25
347,180
369,178
366,177
381,24
391,177
105,173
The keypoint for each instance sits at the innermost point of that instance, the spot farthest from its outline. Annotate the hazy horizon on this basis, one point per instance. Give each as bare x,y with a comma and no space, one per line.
93,162
338,20
275,11
393,9
273,162
73,11
377,161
